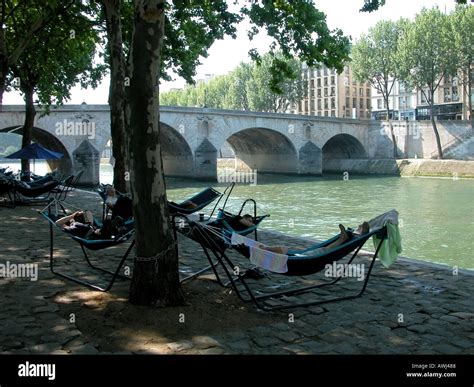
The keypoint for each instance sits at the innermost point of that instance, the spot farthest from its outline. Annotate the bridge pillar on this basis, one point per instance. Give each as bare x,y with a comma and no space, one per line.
205,161
310,159
87,159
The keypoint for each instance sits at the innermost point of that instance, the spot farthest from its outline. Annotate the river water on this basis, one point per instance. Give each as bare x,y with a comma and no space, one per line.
436,215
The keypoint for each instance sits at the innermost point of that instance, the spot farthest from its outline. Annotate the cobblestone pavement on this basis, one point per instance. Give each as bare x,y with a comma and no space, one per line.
411,308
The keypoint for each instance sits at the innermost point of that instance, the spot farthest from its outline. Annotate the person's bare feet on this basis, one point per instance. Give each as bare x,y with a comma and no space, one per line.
344,236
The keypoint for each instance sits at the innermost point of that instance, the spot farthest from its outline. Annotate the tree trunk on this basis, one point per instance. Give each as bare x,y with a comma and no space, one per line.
112,13
390,124
435,129
155,275
469,96
28,125
3,64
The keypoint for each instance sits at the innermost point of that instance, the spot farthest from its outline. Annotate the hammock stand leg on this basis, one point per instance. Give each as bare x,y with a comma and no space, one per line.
115,274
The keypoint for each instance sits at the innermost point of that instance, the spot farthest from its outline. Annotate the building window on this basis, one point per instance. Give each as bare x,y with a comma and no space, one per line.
368,103
325,71
379,103
333,103
325,81
402,87
401,102
361,103
333,91
348,91
333,113
447,94
348,101
319,82
354,91
325,91
333,80
361,92
455,95
312,92
346,82
319,93
361,114
326,103
423,96
326,113
319,104
354,102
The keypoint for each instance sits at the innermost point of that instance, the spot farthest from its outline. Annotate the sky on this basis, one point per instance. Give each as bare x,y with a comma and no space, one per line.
226,54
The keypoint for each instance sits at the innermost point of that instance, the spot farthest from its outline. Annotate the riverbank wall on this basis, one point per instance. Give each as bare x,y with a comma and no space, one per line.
403,167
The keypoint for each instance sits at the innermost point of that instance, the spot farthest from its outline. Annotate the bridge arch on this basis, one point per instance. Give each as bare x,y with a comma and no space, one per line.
49,141
264,150
175,151
343,146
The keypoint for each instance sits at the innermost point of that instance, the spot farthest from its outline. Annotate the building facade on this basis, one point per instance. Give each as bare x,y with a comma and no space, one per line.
450,103
330,94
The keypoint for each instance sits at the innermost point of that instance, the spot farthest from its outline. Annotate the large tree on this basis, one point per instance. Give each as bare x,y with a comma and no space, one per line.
41,14
59,56
462,24
187,28
118,24
427,56
375,60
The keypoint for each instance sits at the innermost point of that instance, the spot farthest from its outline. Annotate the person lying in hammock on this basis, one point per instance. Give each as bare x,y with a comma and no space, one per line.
81,224
343,237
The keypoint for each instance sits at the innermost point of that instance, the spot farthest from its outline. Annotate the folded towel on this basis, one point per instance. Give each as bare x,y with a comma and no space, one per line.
260,257
381,220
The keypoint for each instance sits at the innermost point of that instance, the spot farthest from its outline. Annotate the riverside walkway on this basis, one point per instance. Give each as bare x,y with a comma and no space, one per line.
411,308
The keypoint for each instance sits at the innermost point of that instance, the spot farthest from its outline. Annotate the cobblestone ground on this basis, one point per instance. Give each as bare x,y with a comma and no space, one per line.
411,308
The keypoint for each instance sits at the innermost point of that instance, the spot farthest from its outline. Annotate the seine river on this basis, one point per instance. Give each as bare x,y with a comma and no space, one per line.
436,215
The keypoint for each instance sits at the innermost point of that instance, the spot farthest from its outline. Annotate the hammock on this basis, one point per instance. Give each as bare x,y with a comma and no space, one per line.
299,263
94,245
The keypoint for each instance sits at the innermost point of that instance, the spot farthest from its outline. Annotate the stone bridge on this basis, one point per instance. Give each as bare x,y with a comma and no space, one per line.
194,138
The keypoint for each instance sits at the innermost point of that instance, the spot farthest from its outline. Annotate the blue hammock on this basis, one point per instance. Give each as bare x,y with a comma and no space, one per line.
94,245
300,263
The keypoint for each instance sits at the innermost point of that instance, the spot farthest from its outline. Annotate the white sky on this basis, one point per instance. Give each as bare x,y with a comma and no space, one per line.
226,54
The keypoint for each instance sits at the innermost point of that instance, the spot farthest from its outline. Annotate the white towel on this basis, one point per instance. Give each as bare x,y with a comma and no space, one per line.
277,263
238,239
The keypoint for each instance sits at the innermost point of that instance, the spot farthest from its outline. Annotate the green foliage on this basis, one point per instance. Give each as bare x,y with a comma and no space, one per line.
245,88
427,51
191,28
299,30
375,55
462,24
372,5
60,55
